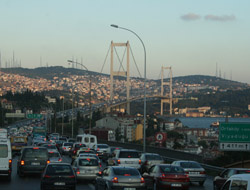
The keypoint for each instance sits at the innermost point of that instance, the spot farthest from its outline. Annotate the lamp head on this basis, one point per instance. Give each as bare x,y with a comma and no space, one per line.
115,26
70,61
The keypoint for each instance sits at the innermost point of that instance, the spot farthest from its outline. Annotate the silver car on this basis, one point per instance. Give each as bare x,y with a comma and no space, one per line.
127,157
54,156
86,168
193,169
116,177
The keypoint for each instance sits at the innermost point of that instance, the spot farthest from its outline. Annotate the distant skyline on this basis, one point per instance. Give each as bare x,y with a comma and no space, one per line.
194,37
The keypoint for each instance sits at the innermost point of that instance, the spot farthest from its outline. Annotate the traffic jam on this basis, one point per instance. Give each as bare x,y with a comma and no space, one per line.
64,163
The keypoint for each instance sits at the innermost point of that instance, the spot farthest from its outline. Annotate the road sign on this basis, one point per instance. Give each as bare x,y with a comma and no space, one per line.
34,116
235,146
234,132
160,137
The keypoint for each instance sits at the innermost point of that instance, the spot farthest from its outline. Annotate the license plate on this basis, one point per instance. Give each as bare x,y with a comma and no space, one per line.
128,162
35,163
129,188
176,185
59,183
194,172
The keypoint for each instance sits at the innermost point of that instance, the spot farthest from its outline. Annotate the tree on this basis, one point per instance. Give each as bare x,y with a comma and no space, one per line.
203,144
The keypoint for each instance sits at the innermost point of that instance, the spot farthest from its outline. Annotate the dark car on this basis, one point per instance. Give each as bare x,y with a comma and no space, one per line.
166,176
116,177
75,148
32,160
227,173
58,176
150,159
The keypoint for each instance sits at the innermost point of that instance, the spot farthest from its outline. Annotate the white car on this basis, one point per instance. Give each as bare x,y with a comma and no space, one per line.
238,181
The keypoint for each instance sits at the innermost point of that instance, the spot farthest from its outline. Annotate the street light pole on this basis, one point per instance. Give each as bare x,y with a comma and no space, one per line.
145,101
90,104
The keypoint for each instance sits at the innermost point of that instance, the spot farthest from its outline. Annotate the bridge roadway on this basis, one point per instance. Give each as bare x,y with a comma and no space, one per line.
32,182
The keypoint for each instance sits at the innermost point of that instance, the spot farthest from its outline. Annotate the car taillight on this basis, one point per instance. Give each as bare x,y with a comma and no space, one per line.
98,149
77,171
142,180
22,162
100,165
36,148
64,148
74,151
60,159
48,161
163,175
115,180
46,176
139,161
97,154
100,172
187,173
187,178
203,172
10,164
118,161
72,176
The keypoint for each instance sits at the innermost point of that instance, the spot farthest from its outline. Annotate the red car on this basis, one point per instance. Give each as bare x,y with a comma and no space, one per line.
166,176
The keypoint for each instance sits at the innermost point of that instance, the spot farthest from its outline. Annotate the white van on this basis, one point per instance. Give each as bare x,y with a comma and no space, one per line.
89,140
238,181
5,158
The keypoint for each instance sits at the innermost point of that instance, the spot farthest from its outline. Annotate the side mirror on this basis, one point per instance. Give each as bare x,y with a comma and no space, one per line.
145,174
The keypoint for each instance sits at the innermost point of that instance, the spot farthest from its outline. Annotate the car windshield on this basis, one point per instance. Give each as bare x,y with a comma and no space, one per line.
190,165
128,154
88,162
153,157
35,153
59,170
49,146
67,144
80,145
102,146
54,154
171,169
126,171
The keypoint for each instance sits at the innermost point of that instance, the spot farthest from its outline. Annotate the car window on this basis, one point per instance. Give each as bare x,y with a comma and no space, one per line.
92,139
171,169
59,170
239,185
67,144
226,185
153,157
126,172
128,154
3,151
54,154
88,162
35,153
102,146
230,173
190,165
86,139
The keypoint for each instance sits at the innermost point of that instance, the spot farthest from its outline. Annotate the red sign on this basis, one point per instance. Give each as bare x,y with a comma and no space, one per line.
160,137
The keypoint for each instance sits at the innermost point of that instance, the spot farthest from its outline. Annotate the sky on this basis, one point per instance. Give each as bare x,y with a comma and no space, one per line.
193,37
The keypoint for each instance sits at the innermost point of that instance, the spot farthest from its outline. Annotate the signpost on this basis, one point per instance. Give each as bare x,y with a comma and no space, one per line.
234,136
34,116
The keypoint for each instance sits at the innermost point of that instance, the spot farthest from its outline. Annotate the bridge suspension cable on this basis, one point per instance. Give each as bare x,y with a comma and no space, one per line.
105,58
120,61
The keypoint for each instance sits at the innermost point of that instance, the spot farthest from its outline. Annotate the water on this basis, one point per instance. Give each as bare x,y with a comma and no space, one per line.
205,122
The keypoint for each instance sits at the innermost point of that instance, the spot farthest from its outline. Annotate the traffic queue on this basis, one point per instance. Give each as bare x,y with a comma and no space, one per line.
107,167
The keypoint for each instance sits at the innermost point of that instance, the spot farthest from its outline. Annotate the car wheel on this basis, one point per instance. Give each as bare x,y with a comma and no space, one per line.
215,187
96,186
201,183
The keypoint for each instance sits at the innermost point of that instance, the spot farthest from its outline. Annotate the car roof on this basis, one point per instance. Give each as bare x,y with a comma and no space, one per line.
240,176
57,163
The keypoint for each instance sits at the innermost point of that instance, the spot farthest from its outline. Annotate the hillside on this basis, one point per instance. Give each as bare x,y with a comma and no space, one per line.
50,72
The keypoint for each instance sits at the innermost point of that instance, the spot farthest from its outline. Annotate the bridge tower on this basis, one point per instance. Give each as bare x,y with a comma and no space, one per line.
120,73
170,98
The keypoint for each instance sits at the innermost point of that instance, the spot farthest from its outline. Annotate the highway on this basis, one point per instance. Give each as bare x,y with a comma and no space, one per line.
32,182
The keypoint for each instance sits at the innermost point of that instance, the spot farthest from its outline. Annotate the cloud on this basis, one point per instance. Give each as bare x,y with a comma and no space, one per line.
190,17
223,18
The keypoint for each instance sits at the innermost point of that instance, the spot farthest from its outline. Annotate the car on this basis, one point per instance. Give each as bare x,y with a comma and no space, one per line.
193,169
50,147
54,156
86,168
238,181
58,176
75,148
90,155
66,147
166,176
71,140
32,160
227,173
148,160
127,157
101,149
119,177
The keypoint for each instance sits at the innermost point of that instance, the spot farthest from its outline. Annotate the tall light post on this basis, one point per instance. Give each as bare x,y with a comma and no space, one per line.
90,104
144,122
